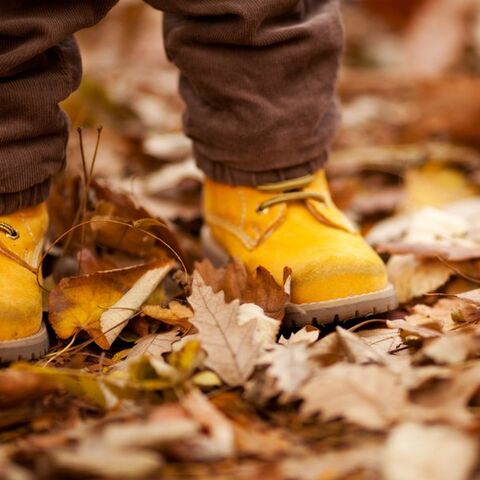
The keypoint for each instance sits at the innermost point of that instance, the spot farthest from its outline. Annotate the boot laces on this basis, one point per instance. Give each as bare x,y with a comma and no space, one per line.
9,231
294,196
289,191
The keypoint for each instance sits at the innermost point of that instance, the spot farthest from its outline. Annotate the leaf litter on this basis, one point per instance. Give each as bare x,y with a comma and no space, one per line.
166,366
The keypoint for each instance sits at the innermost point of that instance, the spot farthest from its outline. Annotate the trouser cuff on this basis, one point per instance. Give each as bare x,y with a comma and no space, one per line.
220,172
12,202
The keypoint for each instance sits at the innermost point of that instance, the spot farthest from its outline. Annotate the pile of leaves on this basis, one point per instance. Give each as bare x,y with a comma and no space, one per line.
163,365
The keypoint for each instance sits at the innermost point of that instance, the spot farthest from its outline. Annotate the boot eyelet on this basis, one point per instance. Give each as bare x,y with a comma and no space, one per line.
262,211
10,232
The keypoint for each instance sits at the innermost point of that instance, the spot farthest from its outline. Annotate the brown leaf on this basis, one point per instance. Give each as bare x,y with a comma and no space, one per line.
413,277
369,396
410,329
358,350
453,348
308,334
218,440
153,346
289,367
335,465
17,386
232,349
259,288
414,452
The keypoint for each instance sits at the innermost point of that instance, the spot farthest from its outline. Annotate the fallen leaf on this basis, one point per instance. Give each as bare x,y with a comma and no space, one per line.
17,386
77,303
259,288
266,327
218,441
148,434
96,458
232,349
308,334
115,318
413,278
153,346
412,329
369,396
335,465
175,314
383,340
414,452
453,348
289,366
357,350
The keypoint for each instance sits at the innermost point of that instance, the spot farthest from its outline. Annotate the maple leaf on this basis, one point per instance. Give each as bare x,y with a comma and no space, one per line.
232,348
369,396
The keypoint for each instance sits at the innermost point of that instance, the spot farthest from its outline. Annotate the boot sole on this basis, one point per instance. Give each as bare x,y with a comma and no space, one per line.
28,348
317,313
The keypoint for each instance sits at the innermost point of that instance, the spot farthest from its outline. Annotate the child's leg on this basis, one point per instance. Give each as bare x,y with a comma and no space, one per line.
258,78
39,67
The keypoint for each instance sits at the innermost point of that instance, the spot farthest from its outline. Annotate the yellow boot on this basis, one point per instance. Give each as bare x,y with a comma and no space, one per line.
336,275
22,333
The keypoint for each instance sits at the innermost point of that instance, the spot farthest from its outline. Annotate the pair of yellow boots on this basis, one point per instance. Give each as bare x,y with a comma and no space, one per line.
336,275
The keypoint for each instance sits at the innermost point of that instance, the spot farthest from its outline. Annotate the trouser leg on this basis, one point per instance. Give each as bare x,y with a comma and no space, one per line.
258,78
39,67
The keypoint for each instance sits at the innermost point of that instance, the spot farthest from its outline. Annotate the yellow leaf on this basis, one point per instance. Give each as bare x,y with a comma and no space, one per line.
77,303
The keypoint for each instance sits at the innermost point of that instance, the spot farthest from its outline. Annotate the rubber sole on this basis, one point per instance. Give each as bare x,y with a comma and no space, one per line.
318,313
28,348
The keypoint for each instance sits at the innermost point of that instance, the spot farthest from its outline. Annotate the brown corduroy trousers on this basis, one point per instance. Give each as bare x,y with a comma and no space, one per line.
258,78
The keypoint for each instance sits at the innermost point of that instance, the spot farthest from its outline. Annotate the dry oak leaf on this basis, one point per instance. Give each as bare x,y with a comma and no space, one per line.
369,396
232,348
289,366
259,288
78,303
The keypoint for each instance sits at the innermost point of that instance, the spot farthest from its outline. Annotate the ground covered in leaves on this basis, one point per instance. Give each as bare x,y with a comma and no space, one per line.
163,366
